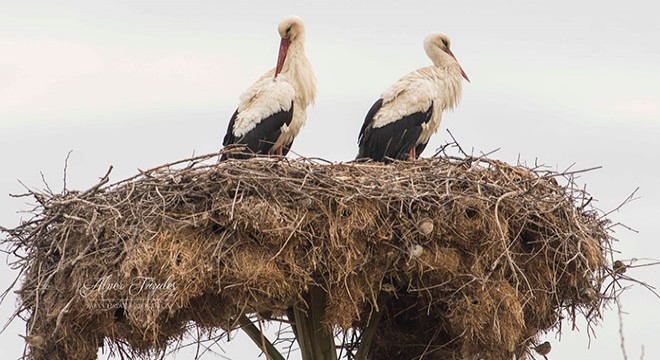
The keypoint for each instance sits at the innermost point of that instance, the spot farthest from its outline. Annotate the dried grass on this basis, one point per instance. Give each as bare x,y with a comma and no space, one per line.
511,254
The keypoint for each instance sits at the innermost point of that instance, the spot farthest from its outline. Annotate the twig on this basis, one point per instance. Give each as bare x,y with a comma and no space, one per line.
457,144
66,165
104,179
628,200
621,337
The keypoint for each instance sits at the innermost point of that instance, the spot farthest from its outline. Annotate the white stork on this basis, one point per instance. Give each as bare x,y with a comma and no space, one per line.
272,111
401,122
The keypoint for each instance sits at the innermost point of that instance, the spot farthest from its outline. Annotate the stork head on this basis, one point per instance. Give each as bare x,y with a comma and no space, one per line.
291,30
438,48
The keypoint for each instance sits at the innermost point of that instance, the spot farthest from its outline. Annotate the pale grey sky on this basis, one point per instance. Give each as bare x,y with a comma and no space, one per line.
138,83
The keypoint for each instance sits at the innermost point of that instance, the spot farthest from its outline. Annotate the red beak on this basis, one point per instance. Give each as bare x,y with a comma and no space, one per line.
459,65
284,48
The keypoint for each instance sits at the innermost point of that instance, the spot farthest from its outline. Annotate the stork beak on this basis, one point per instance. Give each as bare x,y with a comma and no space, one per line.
284,48
459,65
464,74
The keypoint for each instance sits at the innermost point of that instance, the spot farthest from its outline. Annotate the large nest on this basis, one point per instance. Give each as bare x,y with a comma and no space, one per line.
471,258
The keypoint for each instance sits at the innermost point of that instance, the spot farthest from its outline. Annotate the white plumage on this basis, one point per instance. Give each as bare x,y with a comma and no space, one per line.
401,122
274,109
264,98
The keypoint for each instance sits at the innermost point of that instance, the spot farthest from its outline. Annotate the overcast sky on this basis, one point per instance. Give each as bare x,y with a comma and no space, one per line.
138,83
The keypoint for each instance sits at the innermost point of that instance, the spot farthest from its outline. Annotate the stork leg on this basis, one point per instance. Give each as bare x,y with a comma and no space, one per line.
276,151
412,155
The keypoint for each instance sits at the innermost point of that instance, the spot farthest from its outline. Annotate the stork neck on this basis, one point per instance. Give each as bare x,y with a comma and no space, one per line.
296,50
299,70
450,83
441,58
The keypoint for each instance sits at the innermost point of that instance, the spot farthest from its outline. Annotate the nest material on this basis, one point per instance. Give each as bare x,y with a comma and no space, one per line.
475,258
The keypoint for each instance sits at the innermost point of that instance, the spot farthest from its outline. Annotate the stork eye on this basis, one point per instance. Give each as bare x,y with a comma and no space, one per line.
288,30
445,43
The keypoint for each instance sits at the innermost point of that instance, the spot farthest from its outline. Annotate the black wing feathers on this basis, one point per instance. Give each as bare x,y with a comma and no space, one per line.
229,136
262,137
393,140
370,117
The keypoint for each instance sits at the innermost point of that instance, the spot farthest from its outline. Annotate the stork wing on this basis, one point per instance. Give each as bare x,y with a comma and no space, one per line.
264,109
262,137
395,139
229,136
370,117
264,98
393,125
